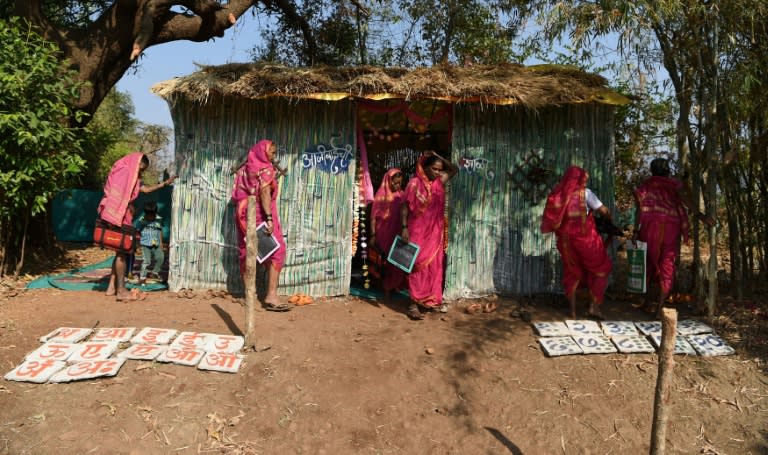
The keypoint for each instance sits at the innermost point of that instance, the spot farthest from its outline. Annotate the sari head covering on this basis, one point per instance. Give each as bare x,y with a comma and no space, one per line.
121,189
574,179
382,202
257,171
421,188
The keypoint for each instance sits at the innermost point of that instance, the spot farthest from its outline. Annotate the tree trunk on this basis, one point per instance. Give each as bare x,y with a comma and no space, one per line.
734,237
20,263
250,276
664,381
104,50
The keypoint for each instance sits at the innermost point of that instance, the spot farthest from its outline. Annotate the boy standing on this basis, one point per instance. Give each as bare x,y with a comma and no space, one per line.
150,224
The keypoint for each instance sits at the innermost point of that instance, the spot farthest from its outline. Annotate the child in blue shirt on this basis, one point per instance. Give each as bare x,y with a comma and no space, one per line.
150,224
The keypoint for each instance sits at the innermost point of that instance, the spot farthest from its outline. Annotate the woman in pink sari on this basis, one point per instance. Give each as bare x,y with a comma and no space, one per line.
569,214
422,218
385,225
259,177
662,218
116,207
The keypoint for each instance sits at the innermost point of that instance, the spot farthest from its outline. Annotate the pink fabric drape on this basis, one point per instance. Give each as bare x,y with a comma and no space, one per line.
385,213
367,185
426,226
573,179
663,219
257,173
584,256
121,189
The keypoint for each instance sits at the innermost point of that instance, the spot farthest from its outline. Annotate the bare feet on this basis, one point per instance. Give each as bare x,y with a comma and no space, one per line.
132,295
594,312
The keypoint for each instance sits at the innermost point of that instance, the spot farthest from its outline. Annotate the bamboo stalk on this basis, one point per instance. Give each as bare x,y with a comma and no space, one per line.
663,381
250,276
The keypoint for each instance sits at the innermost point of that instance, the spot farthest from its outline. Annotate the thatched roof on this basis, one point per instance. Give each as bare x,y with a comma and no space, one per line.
533,86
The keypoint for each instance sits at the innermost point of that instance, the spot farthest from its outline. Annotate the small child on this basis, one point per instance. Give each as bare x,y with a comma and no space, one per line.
150,224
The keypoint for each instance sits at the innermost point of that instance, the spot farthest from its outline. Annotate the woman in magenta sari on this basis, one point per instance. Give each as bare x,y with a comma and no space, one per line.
116,207
569,214
259,177
662,218
385,225
422,218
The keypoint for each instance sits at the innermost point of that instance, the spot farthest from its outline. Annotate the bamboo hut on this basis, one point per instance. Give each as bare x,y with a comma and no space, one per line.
512,130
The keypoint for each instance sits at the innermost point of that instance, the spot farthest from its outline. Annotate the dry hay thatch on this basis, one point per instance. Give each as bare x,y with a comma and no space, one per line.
533,87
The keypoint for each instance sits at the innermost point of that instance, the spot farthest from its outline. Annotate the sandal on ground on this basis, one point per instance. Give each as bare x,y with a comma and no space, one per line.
490,307
473,308
414,313
304,300
278,307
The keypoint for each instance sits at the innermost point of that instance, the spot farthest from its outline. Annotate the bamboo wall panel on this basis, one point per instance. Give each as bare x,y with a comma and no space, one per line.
494,239
315,207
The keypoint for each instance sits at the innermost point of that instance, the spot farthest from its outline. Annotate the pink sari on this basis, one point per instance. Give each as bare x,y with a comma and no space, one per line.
663,219
426,226
121,189
386,214
257,173
585,259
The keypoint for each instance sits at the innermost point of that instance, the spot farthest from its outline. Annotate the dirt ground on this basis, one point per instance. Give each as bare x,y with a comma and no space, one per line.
350,376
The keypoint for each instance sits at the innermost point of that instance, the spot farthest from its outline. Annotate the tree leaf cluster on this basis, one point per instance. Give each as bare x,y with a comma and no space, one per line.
398,32
39,149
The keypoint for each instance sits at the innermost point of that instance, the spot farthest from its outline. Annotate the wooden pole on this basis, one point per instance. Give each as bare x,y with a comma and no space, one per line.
250,276
663,381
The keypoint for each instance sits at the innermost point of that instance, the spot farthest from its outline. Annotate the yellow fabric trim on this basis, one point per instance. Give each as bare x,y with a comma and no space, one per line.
601,95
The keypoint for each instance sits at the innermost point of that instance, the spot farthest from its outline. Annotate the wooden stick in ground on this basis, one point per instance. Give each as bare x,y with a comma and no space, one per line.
250,276
664,380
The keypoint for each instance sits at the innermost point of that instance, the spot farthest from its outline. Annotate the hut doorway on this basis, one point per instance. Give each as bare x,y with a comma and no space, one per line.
393,134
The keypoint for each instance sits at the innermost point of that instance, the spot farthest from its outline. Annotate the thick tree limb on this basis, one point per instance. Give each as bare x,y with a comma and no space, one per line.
105,50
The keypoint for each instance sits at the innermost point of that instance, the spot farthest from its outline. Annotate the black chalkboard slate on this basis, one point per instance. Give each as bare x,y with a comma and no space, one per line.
403,254
267,244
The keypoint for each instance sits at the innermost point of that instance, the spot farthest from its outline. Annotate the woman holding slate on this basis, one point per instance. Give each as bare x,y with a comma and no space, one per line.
385,225
258,176
422,218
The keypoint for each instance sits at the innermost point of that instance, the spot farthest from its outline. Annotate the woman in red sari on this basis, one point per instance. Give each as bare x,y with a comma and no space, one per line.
385,225
663,218
116,207
259,177
422,218
569,214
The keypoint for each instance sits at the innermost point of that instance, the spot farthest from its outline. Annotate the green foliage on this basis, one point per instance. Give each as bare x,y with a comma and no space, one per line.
462,30
401,32
39,151
105,137
113,133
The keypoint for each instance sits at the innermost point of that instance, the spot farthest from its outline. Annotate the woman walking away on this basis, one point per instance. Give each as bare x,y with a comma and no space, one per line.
385,225
422,218
662,218
116,207
259,177
569,214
